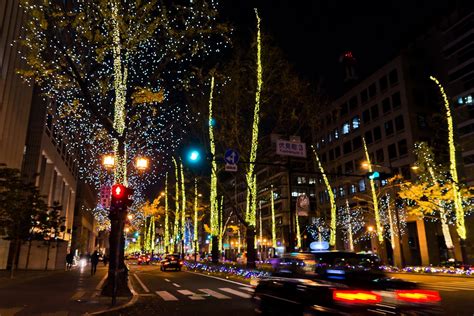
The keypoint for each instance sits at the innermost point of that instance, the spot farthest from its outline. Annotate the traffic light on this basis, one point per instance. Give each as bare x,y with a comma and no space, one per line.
121,197
375,175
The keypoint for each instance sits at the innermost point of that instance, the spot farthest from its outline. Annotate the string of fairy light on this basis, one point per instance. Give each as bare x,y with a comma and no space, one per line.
214,216
112,54
176,212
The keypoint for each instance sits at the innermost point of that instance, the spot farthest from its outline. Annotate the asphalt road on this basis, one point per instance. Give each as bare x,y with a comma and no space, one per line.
186,293
457,293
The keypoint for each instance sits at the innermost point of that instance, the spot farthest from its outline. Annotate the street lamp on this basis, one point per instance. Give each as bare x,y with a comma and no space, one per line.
108,161
141,163
129,216
370,229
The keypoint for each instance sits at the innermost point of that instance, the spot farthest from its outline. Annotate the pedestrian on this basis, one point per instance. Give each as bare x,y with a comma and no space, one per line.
94,262
69,261
105,260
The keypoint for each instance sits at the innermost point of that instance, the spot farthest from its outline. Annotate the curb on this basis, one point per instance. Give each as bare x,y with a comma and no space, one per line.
132,301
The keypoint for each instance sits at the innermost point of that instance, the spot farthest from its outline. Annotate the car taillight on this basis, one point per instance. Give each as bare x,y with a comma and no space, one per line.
358,297
418,296
181,262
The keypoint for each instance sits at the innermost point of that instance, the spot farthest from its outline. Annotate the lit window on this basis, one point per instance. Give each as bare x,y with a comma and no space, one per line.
362,185
330,138
318,145
336,133
346,128
312,181
355,122
342,192
301,180
352,189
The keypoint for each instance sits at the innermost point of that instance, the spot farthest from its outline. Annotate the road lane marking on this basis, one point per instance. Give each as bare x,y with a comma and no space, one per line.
225,280
166,296
447,288
101,283
215,294
78,295
232,291
167,280
141,283
191,295
177,285
248,289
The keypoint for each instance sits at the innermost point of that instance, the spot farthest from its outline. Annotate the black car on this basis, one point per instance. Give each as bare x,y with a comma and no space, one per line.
171,262
340,283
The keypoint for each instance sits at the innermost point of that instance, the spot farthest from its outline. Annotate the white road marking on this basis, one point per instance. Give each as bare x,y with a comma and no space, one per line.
232,291
166,296
141,283
101,283
214,277
248,289
177,285
215,294
191,295
167,280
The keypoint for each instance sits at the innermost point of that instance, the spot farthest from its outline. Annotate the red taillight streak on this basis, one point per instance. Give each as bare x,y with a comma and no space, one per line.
418,296
357,297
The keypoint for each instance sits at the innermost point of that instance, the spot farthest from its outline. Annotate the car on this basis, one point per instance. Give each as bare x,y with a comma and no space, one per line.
143,259
340,283
171,262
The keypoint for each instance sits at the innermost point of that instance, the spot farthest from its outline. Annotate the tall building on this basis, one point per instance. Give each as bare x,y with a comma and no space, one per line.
15,95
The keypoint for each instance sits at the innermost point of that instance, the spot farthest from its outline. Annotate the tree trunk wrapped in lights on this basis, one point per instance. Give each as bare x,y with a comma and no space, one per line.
458,207
332,201
375,202
176,213
183,204
167,232
195,234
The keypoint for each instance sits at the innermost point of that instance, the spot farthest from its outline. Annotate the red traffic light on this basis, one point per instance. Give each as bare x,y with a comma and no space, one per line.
118,191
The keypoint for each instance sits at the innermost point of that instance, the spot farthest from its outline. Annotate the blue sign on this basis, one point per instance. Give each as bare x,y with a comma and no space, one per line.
231,157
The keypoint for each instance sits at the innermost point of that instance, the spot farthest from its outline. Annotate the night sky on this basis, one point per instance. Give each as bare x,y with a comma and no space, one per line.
314,33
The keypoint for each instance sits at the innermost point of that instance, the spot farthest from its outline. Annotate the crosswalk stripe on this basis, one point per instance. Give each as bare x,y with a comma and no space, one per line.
78,295
191,295
231,291
215,294
166,296
248,289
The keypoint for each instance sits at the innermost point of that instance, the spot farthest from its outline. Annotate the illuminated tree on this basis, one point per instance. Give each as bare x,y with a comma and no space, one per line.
351,222
176,212
166,224
112,70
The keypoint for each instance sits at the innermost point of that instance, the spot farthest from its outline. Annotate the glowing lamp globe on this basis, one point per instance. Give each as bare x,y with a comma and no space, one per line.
141,163
194,156
108,161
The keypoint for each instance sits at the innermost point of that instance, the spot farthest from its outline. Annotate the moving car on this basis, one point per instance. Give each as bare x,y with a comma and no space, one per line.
171,262
340,283
143,259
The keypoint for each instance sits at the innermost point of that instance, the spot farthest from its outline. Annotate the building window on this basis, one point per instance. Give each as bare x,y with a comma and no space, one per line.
342,192
421,120
393,77
337,152
353,103
383,83
329,138
396,100
323,157
301,180
355,122
357,142
465,130
346,128
339,169
374,111
362,185
377,133
331,155
402,147
312,181
363,96
386,107
392,152
347,147
368,137
352,189
344,109
336,133
468,160
399,123
318,145
372,90
388,128
366,116
379,155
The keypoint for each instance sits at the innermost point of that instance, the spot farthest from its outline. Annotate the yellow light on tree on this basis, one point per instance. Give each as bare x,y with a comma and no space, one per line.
183,202
176,213
460,225
378,225
167,232
298,232
214,216
251,178
332,200
272,204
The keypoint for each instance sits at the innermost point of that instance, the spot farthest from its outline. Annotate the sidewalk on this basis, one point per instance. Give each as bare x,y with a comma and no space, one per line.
58,293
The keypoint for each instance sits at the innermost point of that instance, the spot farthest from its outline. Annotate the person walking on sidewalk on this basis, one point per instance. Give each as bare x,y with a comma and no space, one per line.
94,262
69,261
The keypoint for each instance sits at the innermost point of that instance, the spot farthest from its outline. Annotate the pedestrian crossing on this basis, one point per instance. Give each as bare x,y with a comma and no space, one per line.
224,293
465,285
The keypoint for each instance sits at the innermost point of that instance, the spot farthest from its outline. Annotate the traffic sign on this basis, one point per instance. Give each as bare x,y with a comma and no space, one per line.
231,157
230,167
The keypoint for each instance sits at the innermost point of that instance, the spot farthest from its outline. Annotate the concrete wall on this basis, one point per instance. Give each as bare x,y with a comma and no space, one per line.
4,248
38,255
